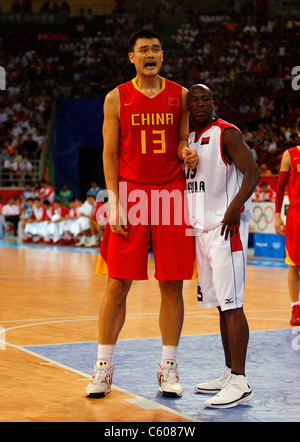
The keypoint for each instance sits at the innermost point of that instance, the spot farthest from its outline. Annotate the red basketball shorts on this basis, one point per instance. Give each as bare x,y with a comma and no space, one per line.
292,236
159,210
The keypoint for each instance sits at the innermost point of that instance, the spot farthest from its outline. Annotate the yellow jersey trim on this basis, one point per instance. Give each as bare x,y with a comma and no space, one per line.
163,85
288,259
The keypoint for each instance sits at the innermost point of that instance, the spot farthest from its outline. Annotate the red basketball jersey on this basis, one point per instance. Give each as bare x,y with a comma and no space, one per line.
293,187
149,134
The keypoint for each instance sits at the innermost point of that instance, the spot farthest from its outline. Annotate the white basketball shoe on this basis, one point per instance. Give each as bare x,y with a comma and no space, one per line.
100,384
213,387
168,379
236,391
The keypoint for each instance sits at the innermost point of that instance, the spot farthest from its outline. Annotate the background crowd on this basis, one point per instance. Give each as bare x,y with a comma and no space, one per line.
245,57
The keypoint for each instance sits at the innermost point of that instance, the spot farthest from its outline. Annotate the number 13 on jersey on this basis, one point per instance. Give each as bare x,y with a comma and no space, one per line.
160,140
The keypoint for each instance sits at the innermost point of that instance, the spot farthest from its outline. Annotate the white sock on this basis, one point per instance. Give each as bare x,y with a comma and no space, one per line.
294,303
168,352
105,352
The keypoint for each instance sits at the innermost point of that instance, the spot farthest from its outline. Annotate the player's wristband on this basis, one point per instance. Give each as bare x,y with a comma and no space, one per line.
280,191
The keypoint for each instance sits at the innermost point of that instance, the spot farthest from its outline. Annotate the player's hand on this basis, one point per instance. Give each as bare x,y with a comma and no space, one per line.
279,225
190,158
231,222
117,220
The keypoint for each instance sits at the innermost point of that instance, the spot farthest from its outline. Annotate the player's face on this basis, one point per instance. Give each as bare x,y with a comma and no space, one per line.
200,104
147,56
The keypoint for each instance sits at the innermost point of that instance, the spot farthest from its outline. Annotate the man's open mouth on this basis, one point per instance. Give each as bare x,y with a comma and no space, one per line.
150,64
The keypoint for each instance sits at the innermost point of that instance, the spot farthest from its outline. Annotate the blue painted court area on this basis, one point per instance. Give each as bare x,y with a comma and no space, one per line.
273,372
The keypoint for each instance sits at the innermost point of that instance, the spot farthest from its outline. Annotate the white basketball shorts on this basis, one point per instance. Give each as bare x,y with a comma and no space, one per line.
221,266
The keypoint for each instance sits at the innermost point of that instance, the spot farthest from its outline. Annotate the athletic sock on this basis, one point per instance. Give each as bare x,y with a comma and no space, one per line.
294,303
105,352
169,352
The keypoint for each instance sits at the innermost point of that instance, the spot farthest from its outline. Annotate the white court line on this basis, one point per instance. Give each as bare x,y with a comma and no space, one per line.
48,275
192,314
67,318
137,400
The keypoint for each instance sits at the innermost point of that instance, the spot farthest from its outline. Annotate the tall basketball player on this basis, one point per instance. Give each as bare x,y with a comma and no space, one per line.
144,119
289,177
219,191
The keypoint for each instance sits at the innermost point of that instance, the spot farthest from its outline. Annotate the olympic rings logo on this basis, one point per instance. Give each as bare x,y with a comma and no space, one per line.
263,217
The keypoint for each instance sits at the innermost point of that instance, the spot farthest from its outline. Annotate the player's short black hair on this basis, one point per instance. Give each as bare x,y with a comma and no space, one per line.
143,33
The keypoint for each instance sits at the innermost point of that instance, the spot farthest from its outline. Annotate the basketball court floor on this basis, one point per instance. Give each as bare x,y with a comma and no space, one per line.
50,299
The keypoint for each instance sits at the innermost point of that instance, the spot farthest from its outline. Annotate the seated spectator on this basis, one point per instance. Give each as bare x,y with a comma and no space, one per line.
86,213
49,213
264,170
10,170
264,192
39,137
94,189
30,147
36,223
70,229
46,191
26,168
28,192
65,194
270,147
36,188
11,214
25,215
56,227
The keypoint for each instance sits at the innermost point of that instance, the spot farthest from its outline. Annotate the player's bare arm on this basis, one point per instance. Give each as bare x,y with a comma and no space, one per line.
188,156
111,125
284,167
237,151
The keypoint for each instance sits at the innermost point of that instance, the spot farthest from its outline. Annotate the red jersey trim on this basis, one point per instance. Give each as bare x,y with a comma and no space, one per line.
236,243
196,139
223,125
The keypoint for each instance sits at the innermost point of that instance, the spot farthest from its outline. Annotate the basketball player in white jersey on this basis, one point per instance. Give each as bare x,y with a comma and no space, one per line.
219,191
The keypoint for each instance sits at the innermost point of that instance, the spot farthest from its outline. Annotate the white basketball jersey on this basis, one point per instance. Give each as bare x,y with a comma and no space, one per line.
213,184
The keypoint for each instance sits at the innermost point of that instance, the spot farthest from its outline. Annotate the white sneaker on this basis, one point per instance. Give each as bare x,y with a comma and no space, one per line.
214,386
168,379
82,241
236,391
101,380
93,242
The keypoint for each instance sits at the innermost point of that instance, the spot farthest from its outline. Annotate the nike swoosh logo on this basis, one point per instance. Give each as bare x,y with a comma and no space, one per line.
128,104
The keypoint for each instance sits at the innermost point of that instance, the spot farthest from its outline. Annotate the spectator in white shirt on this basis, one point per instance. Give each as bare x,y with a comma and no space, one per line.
10,168
26,167
11,214
86,213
